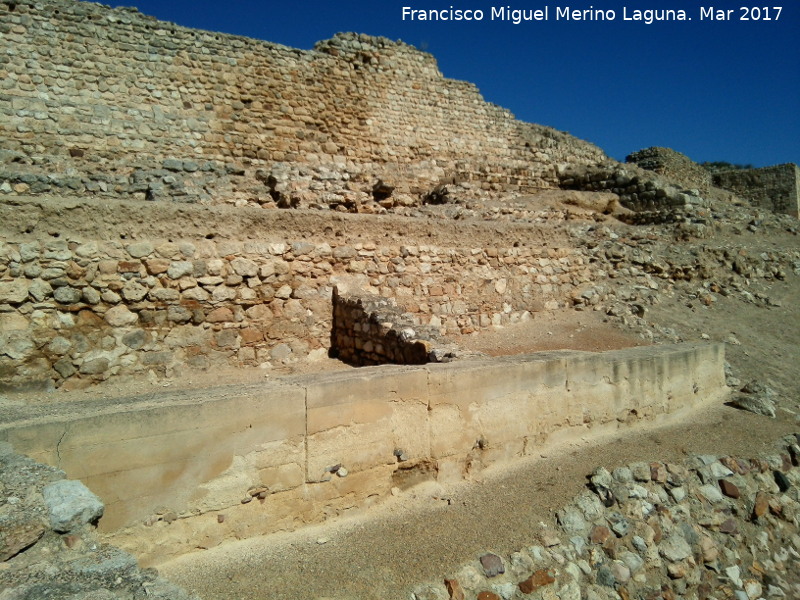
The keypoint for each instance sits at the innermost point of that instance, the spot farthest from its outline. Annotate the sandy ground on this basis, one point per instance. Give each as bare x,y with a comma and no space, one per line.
428,532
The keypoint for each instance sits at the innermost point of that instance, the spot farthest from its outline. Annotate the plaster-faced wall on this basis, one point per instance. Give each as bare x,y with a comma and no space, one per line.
115,103
189,470
775,188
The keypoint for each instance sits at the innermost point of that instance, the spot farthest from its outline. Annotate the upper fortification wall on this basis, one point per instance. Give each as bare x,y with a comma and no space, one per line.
120,104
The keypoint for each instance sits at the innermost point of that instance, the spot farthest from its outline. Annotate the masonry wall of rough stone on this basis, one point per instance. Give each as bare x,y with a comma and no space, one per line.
370,330
674,165
115,103
75,310
775,188
707,527
637,189
651,198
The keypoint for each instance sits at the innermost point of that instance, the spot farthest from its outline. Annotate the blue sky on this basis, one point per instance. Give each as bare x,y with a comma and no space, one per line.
714,90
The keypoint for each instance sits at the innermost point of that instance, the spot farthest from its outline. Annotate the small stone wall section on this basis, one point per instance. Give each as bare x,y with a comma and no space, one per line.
653,200
672,164
113,103
775,188
708,527
370,330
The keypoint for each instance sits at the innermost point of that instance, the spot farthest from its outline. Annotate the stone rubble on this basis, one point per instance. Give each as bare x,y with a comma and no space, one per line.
48,545
714,527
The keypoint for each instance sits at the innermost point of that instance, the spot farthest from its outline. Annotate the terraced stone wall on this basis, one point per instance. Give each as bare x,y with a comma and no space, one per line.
114,103
674,165
76,309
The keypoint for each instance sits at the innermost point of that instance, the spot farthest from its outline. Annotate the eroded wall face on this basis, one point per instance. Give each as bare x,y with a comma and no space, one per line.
195,468
114,103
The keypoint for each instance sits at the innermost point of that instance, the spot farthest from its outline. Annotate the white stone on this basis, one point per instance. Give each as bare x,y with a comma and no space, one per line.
120,316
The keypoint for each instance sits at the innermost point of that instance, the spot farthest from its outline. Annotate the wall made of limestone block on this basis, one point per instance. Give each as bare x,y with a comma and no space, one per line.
117,104
187,470
775,188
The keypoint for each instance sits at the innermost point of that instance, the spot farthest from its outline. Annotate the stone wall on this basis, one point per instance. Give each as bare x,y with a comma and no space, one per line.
189,469
370,330
117,104
676,166
49,547
78,307
652,198
775,188
706,527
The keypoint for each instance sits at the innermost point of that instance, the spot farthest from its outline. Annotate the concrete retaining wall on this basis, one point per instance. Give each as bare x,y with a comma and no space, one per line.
187,470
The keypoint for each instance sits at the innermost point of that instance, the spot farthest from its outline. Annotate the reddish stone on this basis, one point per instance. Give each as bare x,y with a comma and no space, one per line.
787,463
87,318
488,596
658,472
454,589
612,546
220,315
657,532
729,489
74,270
539,579
761,505
129,266
599,534
251,335
667,593
729,526
156,266
704,591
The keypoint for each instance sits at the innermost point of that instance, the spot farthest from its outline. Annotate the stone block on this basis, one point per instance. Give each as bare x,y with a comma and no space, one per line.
70,505
14,292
